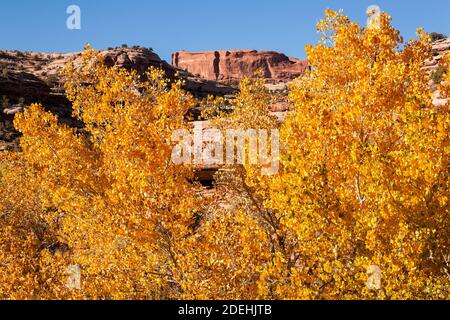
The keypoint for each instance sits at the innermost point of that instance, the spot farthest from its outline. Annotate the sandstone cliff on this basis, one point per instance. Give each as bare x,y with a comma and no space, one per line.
234,65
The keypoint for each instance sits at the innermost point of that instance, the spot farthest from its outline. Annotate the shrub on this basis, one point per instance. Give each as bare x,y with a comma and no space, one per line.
438,75
437,36
21,101
358,210
362,197
4,72
5,102
119,204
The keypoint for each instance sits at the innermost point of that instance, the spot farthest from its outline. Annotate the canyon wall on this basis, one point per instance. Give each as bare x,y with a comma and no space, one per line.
230,66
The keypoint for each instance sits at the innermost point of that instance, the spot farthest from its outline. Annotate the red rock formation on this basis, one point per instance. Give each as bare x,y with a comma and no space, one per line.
233,65
29,77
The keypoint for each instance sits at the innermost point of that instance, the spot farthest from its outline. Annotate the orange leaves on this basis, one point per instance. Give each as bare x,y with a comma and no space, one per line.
359,208
108,191
357,182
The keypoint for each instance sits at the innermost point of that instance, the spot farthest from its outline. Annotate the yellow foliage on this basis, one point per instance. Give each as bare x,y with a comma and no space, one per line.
364,173
359,208
106,194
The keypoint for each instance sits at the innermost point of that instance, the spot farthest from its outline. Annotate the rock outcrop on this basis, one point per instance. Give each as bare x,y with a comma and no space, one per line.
34,77
233,65
441,48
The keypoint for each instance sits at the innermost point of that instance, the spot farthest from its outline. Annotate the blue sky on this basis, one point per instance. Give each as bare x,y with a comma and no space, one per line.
197,25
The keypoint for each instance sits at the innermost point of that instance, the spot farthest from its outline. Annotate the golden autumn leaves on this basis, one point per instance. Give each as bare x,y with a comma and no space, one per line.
365,171
107,192
358,210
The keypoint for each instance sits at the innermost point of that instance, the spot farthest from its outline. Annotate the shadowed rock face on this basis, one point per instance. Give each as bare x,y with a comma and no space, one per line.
234,65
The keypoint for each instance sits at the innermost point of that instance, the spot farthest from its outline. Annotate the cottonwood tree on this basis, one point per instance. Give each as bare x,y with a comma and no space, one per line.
364,183
360,206
105,198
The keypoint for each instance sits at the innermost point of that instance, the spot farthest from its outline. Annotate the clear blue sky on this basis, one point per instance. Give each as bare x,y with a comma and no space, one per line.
196,25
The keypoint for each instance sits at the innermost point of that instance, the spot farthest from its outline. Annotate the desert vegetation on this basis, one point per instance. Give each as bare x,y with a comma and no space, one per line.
358,210
437,36
438,75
